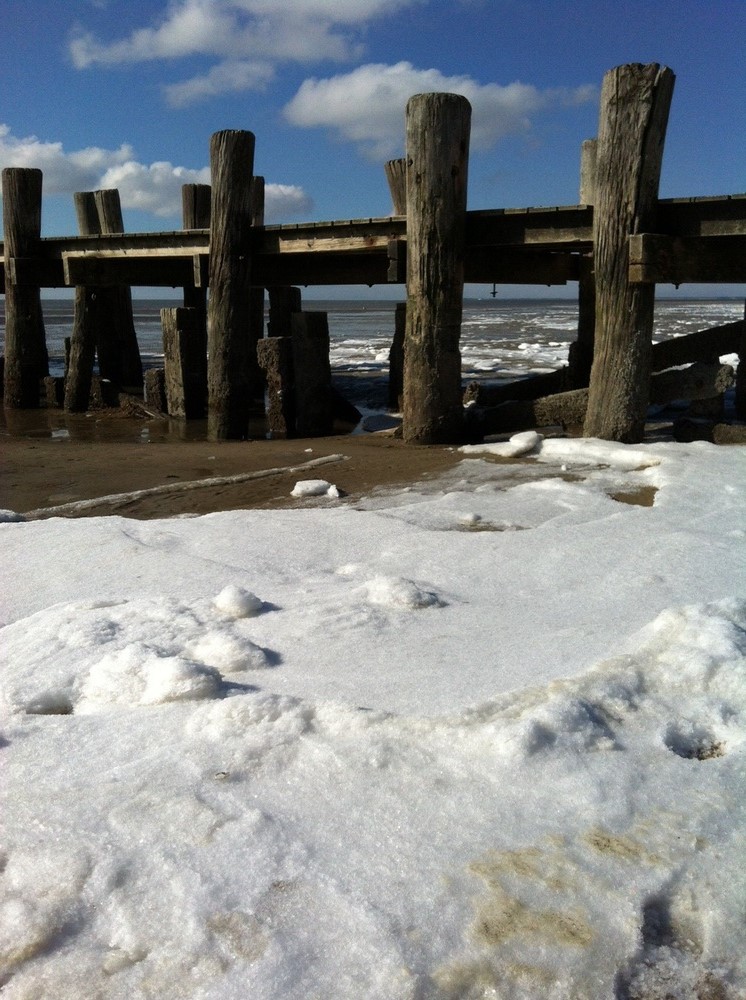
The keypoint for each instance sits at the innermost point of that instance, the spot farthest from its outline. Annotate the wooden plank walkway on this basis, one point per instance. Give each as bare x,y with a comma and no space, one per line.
698,239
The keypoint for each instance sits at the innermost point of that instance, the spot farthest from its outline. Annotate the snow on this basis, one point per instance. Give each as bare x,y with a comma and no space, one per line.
481,737
314,488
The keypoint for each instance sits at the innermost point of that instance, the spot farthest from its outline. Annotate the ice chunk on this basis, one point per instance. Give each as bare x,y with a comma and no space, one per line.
314,488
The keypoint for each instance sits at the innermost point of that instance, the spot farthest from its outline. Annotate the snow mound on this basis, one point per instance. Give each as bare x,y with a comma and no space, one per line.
519,444
399,592
82,656
315,488
235,602
137,676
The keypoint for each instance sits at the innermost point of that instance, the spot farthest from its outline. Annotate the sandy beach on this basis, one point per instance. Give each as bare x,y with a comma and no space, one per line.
41,470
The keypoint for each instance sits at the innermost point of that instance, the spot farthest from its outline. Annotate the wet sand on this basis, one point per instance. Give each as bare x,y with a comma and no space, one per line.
59,463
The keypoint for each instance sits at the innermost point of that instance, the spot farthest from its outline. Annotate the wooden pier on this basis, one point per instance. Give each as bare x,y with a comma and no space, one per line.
618,246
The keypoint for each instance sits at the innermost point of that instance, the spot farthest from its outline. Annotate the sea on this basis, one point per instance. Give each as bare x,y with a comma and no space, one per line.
501,338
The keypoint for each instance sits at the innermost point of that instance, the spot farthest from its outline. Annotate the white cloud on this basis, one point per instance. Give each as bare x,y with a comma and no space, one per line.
367,106
223,78
153,188
63,172
284,200
247,37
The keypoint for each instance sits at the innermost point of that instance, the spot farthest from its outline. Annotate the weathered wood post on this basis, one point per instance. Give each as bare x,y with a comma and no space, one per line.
396,357
195,214
86,320
26,358
580,357
184,363
275,355
87,316
256,306
740,393
312,374
118,351
229,304
437,128
396,175
635,101
284,300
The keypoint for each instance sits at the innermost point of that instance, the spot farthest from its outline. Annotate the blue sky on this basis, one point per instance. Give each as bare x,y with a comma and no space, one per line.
126,93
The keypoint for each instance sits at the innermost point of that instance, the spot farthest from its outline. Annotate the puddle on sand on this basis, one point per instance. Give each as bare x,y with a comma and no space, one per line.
642,497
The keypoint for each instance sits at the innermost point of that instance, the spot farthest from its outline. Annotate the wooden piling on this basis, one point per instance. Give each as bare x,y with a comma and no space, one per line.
437,128
184,362
118,351
86,321
312,374
580,355
256,305
635,101
740,392
26,358
155,390
283,302
396,358
275,355
91,306
229,305
195,214
396,175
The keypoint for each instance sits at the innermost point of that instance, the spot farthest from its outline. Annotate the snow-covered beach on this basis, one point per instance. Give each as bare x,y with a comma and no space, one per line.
478,737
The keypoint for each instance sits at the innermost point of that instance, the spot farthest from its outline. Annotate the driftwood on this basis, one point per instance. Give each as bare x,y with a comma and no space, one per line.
704,345
568,409
532,387
688,429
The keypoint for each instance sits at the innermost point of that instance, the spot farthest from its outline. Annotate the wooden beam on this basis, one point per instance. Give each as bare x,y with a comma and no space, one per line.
520,266
543,227
721,215
357,251
158,272
655,259
35,272
321,269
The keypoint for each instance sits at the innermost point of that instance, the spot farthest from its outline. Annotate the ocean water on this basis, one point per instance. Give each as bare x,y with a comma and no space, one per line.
499,337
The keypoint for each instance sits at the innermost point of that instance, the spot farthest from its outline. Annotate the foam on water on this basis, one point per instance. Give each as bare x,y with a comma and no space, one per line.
517,336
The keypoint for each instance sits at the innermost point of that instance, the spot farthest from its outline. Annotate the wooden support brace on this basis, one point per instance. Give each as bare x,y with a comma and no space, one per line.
397,255
34,272
656,259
